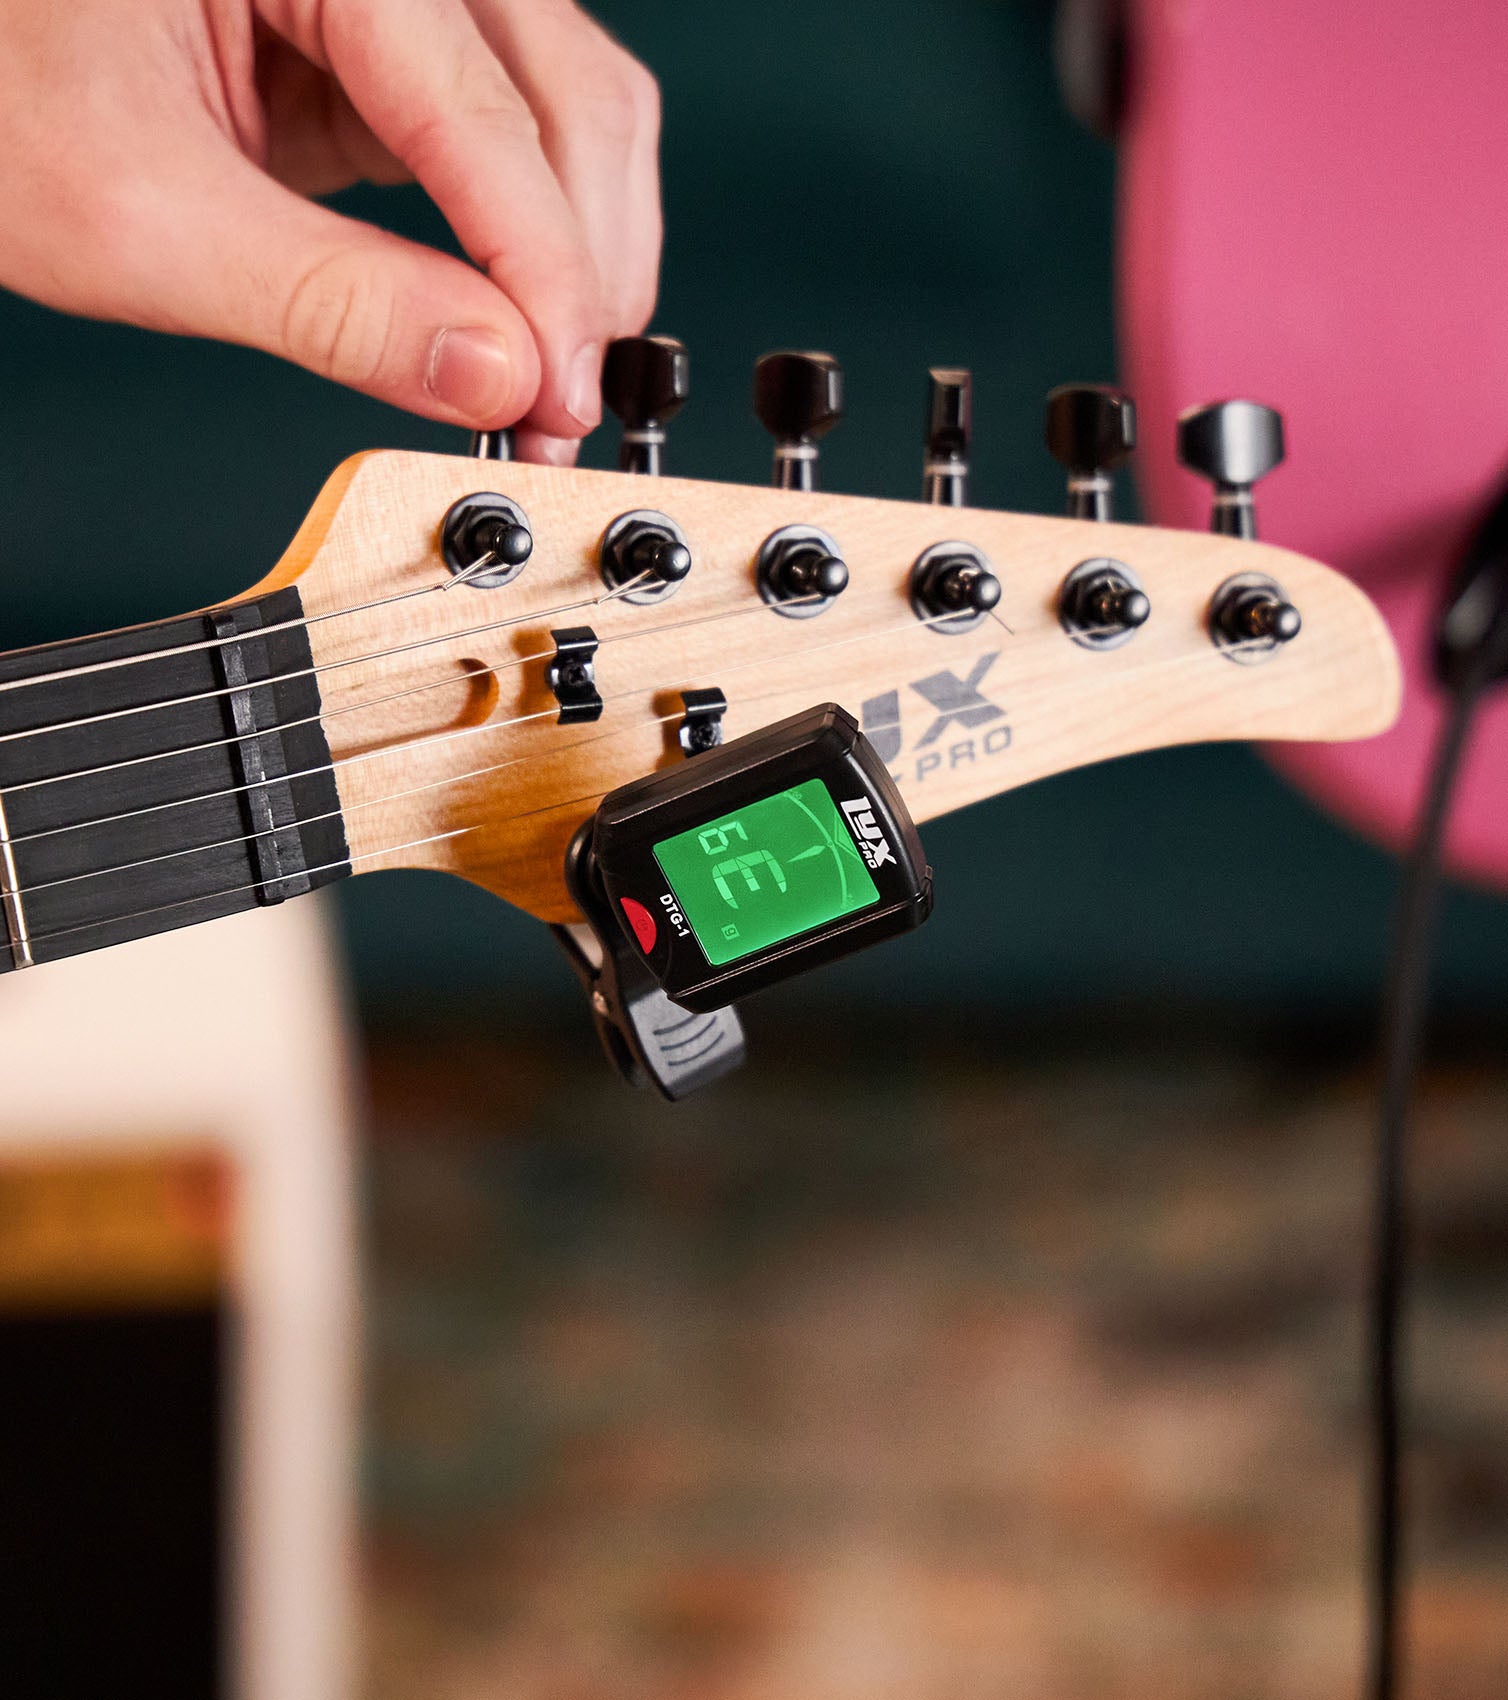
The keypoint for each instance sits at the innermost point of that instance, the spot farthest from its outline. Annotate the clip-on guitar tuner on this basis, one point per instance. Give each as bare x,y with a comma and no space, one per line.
746,864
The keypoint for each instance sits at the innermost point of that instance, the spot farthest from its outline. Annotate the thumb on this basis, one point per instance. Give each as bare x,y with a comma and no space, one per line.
253,263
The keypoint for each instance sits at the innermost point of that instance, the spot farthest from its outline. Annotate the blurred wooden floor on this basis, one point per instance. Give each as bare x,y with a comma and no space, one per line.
901,1375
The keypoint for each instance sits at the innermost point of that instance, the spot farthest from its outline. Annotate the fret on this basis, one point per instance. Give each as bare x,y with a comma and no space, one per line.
98,845
10,899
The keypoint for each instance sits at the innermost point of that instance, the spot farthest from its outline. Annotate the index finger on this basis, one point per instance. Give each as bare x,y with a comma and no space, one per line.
431,90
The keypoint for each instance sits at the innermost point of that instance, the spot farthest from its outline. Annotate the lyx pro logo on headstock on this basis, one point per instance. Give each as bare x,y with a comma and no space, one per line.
958,705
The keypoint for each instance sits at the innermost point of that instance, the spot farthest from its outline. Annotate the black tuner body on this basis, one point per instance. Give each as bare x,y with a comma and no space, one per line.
645,381
953,587
950,411
1234,444
798,398
761,858
1089,429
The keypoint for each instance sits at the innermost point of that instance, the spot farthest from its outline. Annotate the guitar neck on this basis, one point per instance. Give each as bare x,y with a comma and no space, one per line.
159,776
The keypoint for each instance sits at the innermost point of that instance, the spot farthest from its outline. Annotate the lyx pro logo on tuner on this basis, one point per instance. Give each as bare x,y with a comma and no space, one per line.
873,845
958,706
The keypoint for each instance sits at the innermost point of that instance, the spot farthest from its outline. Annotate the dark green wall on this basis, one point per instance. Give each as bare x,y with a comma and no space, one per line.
895,182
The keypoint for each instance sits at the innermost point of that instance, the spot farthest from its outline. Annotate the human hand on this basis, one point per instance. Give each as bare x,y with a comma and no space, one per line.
158,155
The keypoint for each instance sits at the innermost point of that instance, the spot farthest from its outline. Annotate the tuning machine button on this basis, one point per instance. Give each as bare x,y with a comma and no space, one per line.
1251,616
798,398
485,540
644,546
950,411
1102,603
953,586
645,381
1233,444
1089,429
800,571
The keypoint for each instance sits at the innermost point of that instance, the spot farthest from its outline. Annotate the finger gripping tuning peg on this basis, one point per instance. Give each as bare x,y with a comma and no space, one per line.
1233,444
645,381
798,398
950,411
1089,429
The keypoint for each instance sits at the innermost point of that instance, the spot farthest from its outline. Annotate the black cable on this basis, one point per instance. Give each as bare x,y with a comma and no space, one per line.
1405,1007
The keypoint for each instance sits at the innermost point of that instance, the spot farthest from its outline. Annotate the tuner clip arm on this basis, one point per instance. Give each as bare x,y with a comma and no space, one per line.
651,1041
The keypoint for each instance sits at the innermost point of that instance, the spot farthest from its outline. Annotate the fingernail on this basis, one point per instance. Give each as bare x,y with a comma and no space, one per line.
584,386
471,370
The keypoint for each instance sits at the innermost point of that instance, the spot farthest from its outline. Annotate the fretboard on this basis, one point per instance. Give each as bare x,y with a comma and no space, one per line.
174,789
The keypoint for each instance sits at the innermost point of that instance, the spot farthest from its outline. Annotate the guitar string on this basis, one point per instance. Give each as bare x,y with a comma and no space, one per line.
457,732
412,844
277,726
638,582
332,814
438,737
299,624
461,778
318,668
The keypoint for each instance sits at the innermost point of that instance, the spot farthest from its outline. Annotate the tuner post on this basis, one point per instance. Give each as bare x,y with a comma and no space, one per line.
1234,444
800,572
1089,430
950,414
645,381
1102,603
798,398
492,445
953,587
645,549
485,540
1250,617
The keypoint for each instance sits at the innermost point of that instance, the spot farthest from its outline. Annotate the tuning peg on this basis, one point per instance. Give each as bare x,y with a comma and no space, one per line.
1090,429
645,381
950,410
797,398
492,445
1233,444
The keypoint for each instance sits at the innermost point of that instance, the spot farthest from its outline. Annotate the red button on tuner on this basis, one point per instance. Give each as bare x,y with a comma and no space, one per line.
642,922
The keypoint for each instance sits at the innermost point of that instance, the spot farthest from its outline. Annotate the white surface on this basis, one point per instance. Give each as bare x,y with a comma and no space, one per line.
231,1034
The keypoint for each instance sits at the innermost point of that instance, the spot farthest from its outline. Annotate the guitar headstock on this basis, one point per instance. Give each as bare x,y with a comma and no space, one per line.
452,750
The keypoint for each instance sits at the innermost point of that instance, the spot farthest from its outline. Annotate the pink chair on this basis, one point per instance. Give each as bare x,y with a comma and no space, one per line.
1314,212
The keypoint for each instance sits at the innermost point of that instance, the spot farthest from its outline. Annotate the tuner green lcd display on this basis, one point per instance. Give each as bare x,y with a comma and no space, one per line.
770,870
